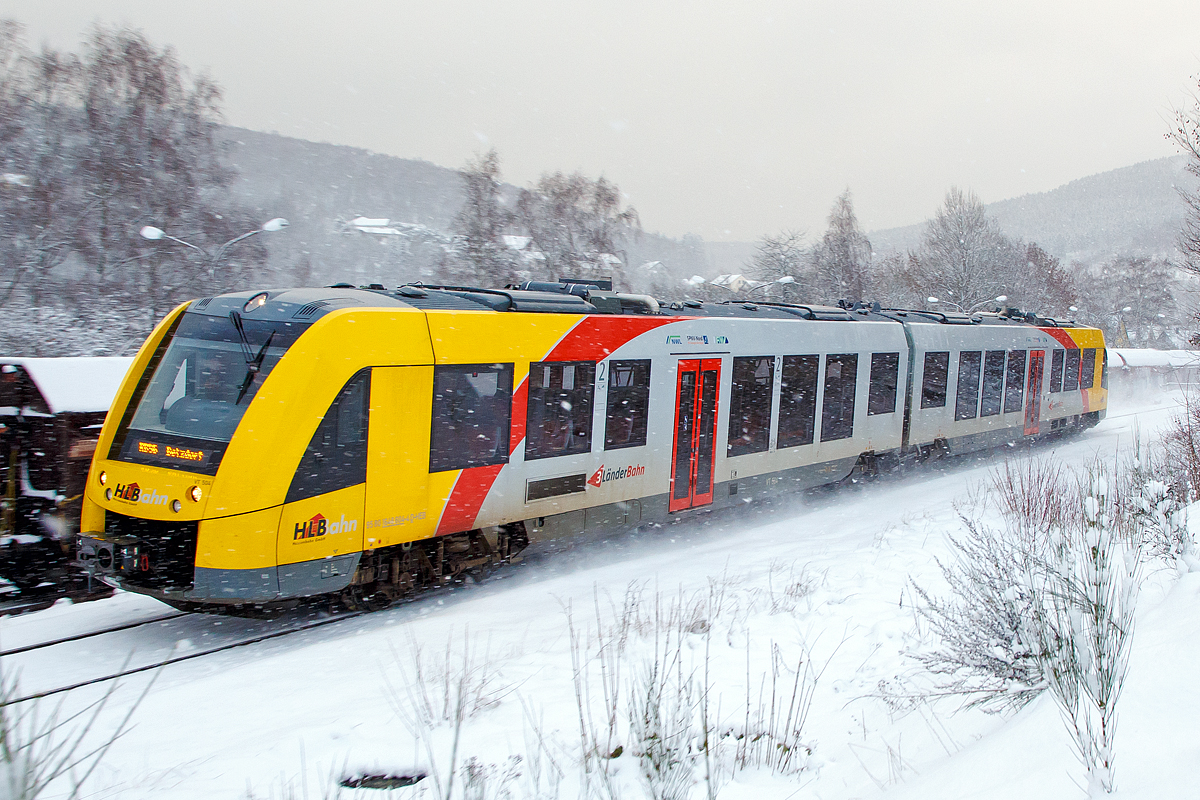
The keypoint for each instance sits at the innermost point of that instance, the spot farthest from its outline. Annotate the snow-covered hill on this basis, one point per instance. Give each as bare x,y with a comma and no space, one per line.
1134,210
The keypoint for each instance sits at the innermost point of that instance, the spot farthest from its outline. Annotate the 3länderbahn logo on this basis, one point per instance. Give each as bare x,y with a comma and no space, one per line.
603,476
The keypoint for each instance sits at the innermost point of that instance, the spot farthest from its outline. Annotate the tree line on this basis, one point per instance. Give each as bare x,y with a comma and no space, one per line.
94,146
97,144
964,264
564,226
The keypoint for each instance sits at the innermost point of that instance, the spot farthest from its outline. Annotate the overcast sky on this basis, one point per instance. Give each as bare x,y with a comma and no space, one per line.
729,120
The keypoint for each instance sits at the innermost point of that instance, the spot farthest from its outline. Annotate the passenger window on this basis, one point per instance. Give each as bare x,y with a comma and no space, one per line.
993,383
750,405
885,372
837,408
1014,383
966,401
1103,355
798,400
628,404
1071,371
1056,371
1087,368
472,414
933,381
559,419
336,456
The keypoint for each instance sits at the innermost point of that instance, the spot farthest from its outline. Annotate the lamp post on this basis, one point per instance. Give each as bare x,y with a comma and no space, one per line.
154,234
1122,330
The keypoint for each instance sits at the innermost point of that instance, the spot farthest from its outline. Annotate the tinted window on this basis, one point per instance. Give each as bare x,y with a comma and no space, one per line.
628,404
336,456
885,370
684,420
933,381
966,401
1014,383
837,407
1103,355
196,387
472,410
1087,368
706,439
993,383
1071,371
798,400
1056,371
559,417
750,404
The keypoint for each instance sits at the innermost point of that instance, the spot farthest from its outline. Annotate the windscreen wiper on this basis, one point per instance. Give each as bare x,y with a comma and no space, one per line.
253,362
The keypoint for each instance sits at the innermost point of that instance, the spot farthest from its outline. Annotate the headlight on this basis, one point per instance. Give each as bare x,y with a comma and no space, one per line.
258,301
103,477
108,494
195,493
176,506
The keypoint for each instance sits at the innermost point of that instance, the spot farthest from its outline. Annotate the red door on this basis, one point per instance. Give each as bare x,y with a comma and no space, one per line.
695,447
1033,396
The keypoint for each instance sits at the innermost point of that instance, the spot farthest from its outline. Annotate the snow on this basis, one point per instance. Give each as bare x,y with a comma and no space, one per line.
827,578
1134,357
76,384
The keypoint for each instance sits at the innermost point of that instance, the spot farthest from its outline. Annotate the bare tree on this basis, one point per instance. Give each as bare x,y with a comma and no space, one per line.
1185,133
93,147
151,157
842,259
784,255
1133,300
40,203
1043,284
964,260
481,255
579,225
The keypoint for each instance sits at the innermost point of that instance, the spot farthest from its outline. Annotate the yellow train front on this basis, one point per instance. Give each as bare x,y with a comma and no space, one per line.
180,508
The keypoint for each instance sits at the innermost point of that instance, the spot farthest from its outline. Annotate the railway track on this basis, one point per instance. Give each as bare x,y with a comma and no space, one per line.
26,602
77,637
170,660
159,664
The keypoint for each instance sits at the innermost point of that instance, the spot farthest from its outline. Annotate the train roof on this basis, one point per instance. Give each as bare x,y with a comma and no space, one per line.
308,304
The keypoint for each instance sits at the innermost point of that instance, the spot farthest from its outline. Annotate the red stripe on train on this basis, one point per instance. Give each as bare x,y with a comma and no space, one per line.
591,339
1062,337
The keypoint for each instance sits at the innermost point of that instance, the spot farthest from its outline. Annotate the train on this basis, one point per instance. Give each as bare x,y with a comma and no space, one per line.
362,442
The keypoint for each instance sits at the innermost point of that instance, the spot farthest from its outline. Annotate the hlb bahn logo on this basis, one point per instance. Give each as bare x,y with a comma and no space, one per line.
320,526
132,493
602,476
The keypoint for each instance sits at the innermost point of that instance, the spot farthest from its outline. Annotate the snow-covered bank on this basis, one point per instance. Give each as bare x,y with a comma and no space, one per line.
823,583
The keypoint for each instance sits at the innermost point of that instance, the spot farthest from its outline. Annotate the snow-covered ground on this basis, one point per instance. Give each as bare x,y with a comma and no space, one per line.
823,583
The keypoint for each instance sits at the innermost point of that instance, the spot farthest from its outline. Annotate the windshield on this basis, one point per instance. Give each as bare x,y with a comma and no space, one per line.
203,384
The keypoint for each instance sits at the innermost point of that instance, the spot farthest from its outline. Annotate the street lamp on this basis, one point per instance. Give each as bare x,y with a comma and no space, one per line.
154,234
1122,330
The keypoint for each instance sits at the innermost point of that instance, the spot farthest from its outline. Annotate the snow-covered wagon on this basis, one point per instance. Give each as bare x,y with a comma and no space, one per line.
51,412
